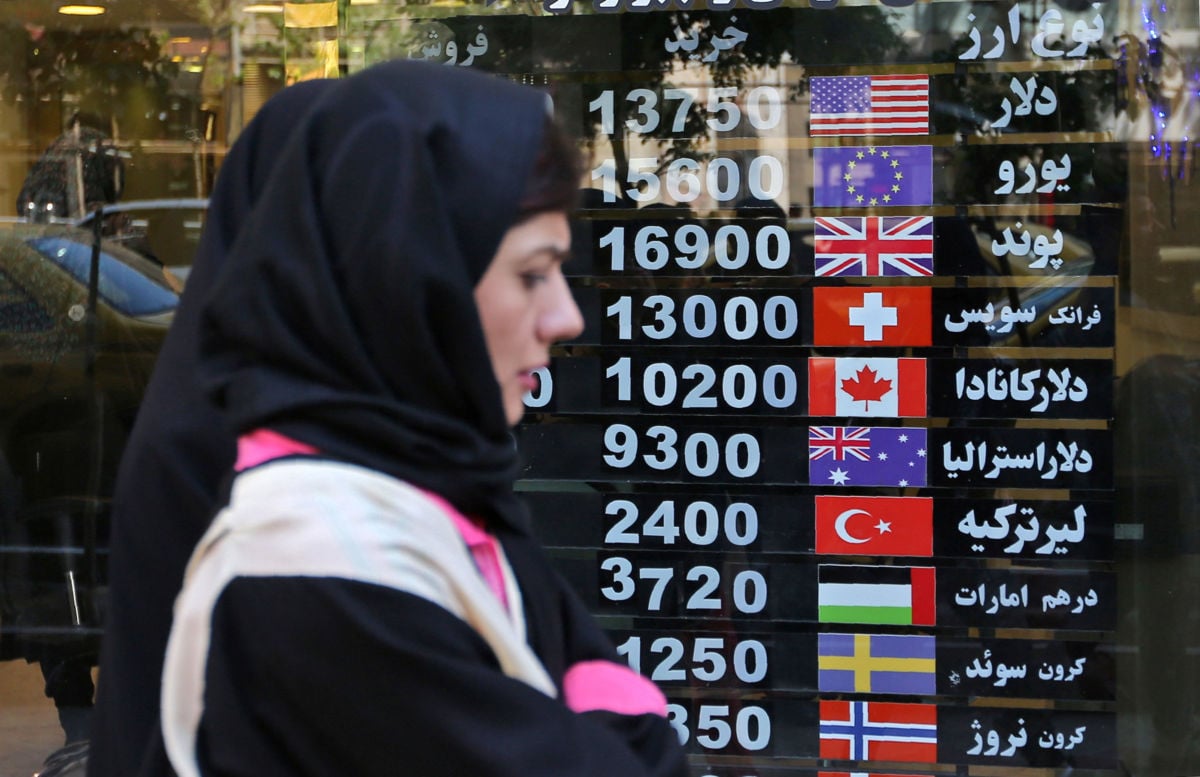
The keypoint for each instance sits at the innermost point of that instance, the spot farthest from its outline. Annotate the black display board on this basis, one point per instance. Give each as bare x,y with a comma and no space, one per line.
833,458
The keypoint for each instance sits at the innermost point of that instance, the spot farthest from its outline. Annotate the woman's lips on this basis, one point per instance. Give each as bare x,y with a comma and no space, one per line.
529,381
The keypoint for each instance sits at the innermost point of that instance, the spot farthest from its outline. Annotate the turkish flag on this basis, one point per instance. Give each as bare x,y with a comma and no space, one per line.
871,387
880,315
875,525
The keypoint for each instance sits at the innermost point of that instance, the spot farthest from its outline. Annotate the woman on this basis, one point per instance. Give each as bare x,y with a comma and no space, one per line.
370,600
177,456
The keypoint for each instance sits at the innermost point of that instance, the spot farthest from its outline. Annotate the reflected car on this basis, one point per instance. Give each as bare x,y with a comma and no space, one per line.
75,357
166,231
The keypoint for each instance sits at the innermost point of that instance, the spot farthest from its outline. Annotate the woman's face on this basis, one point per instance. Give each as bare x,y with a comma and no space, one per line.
525,305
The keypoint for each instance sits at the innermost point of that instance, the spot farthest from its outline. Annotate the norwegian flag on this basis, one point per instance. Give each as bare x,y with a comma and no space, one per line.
874,245
839,442
878,731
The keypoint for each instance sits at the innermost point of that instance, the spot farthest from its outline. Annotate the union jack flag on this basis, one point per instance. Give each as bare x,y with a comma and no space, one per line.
874,245
839,442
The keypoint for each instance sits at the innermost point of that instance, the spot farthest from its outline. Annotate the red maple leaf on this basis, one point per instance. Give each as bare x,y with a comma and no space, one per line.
866,386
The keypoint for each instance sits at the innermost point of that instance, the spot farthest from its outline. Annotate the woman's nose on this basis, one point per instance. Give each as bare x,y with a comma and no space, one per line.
561,319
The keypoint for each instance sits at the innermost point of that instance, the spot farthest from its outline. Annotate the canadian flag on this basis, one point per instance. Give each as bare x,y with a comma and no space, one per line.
866,387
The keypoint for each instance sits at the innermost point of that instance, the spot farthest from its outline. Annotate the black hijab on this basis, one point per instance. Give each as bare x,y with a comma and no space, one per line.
346,317
173,464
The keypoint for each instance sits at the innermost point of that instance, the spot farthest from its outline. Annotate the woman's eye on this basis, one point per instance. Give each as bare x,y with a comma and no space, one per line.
532,279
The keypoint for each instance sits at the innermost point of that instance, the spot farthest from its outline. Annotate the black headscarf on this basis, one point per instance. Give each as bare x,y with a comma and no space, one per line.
346,317
171,471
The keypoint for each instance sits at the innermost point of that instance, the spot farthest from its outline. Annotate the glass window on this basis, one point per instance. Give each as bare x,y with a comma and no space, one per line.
889,392
133,291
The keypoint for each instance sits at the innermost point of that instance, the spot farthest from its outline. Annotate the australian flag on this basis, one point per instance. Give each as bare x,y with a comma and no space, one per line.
874,245
866,456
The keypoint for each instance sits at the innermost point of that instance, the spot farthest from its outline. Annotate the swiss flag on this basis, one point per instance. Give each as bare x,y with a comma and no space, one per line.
880,315
877,388
875,525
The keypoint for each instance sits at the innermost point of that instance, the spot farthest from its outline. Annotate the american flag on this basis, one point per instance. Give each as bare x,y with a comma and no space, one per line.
870,105
874,245
840,442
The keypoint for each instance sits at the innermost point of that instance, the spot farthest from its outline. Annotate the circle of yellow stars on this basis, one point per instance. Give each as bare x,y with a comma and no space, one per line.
897,176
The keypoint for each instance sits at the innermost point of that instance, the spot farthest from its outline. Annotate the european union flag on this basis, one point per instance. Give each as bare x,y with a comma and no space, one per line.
873,176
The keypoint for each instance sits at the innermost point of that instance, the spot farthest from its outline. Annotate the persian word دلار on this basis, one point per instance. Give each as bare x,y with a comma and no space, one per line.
1050,29
1026,529
1047,101
1069,458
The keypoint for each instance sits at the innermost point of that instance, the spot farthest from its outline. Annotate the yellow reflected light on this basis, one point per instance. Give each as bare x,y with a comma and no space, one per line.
264,8
82,9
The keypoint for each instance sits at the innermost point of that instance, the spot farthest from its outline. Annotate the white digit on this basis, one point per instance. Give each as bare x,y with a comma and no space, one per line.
631,651
750,661
665,671
615,238
762,166
683,185
697,396
661,576
643,184
749,591
755,104
663,307
742,456
779,386
741,247
622,587
692,240
711,720
741,523
666,455
607,175
621,443
681,111
701,454
692,523
661,523
739,386
677,716
623,310
732,114
733,179
619,533
620,371
645,101
752,740
768,259
649,251
541,396
699,316
651,378
707,650
604,104
749,311
703,598
774,327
